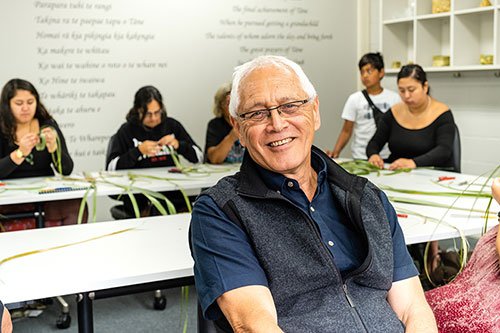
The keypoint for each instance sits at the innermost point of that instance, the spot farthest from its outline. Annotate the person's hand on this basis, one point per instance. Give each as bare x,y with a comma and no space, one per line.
50,138
28,142
376,160
6,326
332,153
149,148
169,140
402,163
495,189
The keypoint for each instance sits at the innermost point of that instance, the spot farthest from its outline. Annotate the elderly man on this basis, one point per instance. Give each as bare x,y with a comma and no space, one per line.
293,242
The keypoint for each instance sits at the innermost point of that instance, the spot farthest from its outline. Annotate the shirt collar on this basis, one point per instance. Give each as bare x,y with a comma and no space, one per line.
276,181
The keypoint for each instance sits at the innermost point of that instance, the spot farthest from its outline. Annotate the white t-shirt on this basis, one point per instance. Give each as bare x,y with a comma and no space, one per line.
357,110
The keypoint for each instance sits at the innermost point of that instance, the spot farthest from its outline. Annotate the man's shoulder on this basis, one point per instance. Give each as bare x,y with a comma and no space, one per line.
223,190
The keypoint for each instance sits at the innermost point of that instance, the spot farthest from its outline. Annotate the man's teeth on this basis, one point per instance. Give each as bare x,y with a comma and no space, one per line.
280,142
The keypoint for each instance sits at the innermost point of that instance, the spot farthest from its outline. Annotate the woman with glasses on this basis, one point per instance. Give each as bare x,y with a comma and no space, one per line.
222,144
147,140
32,145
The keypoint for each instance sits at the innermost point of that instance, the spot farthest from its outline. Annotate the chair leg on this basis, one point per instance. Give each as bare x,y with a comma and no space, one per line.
160,302
64,320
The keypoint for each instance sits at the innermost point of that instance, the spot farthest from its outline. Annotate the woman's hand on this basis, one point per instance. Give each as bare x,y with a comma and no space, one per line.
27,143
402,163
149,148
376,160
169,140
50,138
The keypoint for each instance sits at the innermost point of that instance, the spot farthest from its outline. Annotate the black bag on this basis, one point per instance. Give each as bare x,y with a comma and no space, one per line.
377,114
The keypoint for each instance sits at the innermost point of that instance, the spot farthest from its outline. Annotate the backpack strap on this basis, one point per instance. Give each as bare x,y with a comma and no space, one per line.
377,114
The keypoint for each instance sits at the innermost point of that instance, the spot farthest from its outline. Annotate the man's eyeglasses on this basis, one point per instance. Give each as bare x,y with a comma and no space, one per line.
286,110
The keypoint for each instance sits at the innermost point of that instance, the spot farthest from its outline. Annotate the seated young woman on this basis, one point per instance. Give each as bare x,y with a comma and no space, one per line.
471,302
419,131
144,141
222,144
32,145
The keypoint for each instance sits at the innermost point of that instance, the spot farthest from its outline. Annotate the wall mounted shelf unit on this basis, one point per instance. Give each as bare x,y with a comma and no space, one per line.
411,33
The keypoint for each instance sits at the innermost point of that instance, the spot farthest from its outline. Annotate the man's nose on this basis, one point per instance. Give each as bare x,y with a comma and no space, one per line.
278,122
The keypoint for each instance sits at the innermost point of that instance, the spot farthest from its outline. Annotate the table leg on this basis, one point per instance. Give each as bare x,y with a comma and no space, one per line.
85,312
39,215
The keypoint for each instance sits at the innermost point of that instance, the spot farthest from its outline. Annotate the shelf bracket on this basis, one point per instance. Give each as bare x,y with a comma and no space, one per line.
457,75
496,73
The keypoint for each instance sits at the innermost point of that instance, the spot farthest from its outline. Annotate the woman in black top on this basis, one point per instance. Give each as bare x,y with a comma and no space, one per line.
144,141
419,131
222,144
24,125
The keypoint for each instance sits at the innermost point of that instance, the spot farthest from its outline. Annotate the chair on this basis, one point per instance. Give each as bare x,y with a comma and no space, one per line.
457,151
119,212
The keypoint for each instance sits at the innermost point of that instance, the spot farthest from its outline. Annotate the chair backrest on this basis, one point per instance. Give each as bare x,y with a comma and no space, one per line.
108,150
457,151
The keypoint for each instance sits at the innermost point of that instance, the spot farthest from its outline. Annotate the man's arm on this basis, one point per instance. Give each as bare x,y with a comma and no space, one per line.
344,136
250,309
407,299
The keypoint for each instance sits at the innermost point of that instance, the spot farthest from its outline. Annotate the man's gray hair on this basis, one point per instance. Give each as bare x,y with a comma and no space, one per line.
240,72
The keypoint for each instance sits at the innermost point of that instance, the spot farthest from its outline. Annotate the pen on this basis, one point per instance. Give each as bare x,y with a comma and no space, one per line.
442,178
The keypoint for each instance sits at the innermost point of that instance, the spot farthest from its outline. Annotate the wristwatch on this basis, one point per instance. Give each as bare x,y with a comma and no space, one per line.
19,153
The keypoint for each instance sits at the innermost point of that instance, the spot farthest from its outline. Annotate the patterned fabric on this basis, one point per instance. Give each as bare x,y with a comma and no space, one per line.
471,303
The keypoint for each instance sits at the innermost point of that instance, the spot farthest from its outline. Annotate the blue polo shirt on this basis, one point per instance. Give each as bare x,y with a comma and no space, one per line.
225,260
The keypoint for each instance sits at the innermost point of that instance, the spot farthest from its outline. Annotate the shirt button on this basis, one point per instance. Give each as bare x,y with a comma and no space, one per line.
312,209
290,184
330,243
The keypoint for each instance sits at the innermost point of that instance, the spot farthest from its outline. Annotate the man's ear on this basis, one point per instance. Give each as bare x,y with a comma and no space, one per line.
317,116
381,73
237,127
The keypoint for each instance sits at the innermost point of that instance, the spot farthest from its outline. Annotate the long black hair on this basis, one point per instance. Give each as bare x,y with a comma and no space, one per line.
142,98
8,125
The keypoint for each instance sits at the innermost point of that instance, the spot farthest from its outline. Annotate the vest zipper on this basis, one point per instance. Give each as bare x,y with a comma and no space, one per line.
346,293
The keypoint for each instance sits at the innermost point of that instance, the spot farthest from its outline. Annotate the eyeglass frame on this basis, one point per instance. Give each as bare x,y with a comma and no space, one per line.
277,108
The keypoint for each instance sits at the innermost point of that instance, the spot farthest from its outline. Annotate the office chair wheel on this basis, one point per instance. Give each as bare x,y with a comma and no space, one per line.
160,303
64,321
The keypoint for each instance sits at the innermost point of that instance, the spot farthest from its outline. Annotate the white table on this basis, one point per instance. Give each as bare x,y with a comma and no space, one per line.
27,190
415,227
153,255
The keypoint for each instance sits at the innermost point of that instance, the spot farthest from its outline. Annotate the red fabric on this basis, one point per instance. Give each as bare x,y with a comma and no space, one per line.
471,302
27,223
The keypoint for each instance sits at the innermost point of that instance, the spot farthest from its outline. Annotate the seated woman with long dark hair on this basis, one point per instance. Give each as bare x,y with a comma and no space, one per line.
144,141
32,145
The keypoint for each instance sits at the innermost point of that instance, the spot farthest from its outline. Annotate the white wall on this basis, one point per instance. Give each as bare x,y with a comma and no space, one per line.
185,48
474,99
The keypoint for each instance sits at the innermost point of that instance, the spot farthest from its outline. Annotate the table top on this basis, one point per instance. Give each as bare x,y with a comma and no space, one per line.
75,186
424,222
149,249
